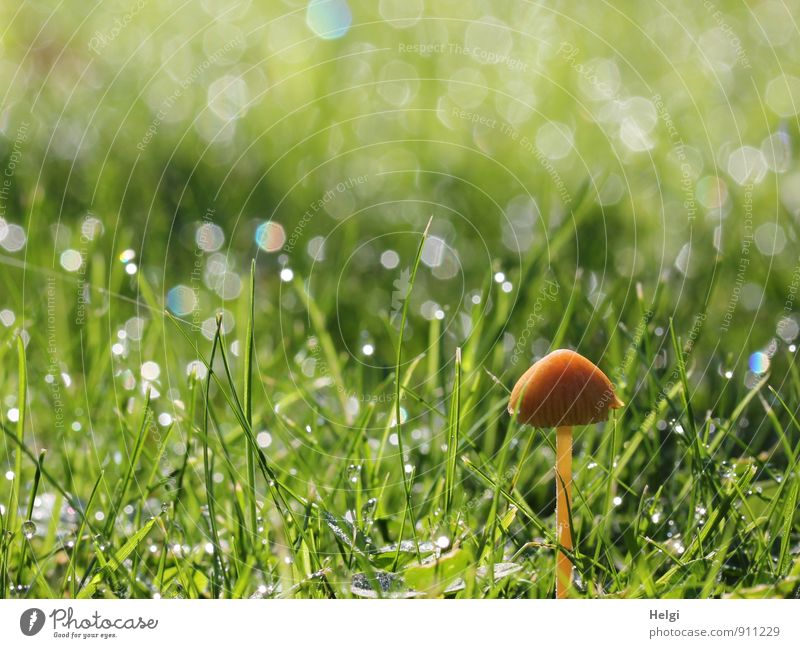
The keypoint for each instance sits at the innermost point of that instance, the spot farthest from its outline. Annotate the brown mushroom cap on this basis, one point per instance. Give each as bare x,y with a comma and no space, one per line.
563,388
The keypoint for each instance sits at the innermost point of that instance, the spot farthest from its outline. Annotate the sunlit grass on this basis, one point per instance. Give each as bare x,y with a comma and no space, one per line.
666,505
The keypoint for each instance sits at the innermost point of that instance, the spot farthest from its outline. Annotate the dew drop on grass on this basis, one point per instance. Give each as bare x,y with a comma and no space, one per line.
368,510
196,369
353,472
29,529
403,416
389,585
7,317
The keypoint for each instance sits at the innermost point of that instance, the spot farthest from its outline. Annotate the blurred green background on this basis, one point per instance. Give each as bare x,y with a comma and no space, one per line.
603,147
678,121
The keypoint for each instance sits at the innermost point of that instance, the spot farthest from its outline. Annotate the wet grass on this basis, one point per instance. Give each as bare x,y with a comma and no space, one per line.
316,412
270,484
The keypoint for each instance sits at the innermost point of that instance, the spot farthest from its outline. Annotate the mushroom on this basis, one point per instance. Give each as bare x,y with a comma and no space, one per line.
561,390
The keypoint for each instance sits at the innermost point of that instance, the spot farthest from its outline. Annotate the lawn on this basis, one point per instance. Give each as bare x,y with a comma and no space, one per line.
269,272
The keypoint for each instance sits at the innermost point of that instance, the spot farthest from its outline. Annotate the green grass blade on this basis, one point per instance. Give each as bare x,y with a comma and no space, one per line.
70,576
22,399
121,494
218,568
454,433
118,558
250,493
409,511
787,517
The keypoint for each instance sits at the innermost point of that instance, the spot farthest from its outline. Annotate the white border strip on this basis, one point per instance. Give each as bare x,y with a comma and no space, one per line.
401,624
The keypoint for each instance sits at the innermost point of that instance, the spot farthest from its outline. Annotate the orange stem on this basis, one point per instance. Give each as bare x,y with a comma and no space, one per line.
563,504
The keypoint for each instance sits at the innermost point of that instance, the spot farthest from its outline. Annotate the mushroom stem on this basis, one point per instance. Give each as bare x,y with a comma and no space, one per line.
563,504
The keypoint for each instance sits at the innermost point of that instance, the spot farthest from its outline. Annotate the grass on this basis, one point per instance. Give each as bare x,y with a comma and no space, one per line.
666,504
282,365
